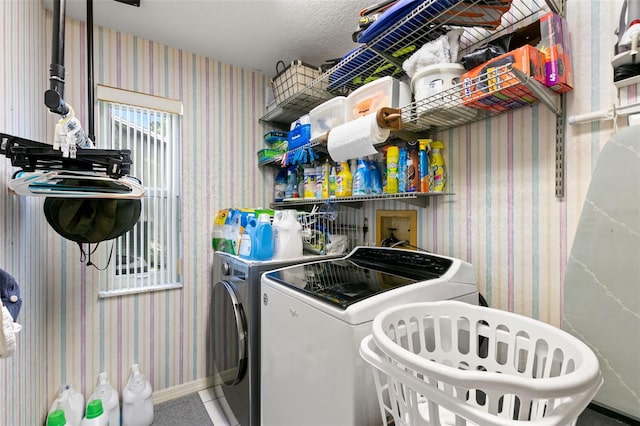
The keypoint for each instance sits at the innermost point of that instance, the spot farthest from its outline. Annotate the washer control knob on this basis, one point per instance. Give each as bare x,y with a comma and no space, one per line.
226,269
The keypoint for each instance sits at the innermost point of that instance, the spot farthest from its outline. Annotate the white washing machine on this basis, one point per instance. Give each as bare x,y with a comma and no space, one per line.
315,315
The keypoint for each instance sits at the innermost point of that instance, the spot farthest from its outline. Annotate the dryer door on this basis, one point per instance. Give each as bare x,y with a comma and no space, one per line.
229,333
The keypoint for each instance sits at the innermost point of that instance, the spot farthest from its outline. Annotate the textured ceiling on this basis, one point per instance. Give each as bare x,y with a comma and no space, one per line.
249,34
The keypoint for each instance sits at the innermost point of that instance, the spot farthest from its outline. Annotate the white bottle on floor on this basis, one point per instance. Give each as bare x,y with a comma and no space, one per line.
137,403
71,402
109,397
95,415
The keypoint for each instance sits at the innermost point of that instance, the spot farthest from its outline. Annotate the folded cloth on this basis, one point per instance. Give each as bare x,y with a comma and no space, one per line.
8,330
10,294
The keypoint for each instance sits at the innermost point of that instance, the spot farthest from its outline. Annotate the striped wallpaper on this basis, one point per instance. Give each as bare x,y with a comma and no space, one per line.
504,217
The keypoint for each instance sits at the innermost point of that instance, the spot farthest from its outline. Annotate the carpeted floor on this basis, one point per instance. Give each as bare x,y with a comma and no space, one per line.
190,411
185,411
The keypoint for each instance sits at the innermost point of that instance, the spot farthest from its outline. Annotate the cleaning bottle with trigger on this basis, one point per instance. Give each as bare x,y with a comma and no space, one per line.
361,179
438,170
423,165
402,170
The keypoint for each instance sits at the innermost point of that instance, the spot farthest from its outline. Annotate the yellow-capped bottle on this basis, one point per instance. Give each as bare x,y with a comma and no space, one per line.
344,181
439,172
393,154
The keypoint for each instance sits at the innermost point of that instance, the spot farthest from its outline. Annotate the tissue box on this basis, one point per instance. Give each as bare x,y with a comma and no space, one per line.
492,87
554,42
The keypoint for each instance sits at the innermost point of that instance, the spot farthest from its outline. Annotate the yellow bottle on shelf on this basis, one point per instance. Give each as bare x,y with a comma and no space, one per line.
344,181
437,166
393,154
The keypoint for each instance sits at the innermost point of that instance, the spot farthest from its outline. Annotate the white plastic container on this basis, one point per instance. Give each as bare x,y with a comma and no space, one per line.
137,403
287,236
433,79
109,397
437,102
383,92
328,115
71,402
95,415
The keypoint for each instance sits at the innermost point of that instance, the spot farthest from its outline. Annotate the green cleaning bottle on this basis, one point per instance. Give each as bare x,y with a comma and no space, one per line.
437,167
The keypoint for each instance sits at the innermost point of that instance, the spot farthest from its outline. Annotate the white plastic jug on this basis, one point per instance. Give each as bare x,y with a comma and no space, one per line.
137,403
287,236
95,415
71,402
109,397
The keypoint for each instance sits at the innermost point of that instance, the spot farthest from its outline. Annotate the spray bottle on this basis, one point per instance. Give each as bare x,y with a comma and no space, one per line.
402,170
361,179
439,172
423,165
392,169
137,404
374,177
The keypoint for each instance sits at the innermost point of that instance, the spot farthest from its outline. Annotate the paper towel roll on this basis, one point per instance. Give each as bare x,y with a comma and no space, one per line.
356,138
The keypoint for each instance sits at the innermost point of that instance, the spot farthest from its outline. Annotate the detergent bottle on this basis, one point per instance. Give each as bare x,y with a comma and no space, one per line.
232,231
423,165
137,404
344,181
439,172
56,418
288,236
71,402
257,239
109,397
95,415
247,241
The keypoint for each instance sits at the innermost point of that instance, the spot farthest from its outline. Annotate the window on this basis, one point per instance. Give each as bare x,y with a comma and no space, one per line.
147,258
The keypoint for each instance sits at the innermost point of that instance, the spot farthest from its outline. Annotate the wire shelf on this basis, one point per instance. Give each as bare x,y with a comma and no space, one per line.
328,230
416,198
384,54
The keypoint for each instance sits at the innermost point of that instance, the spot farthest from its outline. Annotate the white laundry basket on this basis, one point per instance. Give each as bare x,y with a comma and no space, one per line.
452,363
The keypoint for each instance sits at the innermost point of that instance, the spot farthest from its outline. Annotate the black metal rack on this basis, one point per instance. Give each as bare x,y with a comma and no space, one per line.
30,156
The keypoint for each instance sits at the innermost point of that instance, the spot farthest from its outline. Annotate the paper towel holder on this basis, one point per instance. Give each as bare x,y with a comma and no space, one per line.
386,117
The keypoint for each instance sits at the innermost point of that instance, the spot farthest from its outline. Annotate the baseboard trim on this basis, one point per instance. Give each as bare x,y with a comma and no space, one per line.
184,389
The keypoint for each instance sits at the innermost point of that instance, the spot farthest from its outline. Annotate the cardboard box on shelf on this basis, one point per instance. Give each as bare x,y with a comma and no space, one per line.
492,86
554,43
